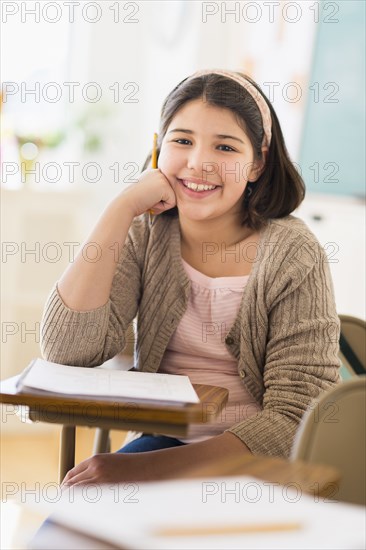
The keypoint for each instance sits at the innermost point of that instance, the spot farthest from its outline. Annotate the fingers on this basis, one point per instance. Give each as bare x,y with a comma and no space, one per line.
83,466
80,479
94,469
104,468
165,204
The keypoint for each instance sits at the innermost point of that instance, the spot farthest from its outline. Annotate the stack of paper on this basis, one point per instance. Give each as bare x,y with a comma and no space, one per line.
81,381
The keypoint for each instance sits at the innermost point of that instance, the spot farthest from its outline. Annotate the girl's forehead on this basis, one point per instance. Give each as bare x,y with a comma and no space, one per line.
195,111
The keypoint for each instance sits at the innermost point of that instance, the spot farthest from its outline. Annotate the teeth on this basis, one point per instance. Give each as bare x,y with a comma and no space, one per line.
198,187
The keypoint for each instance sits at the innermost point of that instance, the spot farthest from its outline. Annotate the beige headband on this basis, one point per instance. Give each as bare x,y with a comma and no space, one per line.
256,95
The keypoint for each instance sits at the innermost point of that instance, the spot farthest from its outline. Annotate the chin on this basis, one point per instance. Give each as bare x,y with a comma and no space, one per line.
195,214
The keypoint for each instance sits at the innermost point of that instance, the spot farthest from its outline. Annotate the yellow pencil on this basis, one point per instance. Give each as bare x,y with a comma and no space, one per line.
154,163
154,155
190,531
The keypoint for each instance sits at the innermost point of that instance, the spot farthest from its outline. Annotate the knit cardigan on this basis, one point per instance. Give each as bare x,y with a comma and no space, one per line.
285,336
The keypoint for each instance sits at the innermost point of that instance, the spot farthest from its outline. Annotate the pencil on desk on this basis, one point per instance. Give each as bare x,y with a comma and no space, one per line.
193,531
154,164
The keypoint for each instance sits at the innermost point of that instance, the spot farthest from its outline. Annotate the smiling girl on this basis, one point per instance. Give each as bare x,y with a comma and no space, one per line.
228,287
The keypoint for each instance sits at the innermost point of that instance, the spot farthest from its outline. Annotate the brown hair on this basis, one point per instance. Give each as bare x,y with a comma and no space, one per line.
279,189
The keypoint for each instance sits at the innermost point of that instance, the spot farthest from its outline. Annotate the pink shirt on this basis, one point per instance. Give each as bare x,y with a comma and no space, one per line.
197,348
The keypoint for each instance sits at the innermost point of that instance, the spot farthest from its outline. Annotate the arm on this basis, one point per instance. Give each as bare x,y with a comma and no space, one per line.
86,284
302,348
88,338
154,465
87,315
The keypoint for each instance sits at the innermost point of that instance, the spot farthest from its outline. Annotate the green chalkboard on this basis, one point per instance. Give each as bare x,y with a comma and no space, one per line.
332,153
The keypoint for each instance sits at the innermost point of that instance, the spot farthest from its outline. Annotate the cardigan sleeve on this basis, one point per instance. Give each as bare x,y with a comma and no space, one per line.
301,357
89,338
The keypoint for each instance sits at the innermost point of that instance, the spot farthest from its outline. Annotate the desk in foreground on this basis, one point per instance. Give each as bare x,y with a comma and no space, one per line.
116,414
219,513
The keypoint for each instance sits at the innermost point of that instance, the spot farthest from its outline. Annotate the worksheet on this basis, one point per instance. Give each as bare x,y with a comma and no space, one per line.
82,381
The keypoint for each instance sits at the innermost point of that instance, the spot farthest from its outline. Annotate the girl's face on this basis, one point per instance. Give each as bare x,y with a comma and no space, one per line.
204,145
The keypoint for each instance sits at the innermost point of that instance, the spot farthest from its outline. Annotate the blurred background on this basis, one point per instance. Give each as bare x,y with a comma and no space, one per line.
82,84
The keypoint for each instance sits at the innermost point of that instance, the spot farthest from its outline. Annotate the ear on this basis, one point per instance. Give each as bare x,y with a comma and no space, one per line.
258,165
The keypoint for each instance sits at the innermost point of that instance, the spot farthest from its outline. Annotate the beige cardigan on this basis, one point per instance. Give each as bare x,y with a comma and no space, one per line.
285,336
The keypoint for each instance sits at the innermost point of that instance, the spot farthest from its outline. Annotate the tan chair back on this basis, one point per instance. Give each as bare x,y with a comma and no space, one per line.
333,432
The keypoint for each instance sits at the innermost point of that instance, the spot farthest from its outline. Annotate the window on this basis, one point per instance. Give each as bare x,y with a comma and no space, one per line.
34,100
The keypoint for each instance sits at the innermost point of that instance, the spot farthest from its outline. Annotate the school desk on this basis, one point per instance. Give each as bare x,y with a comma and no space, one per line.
107,414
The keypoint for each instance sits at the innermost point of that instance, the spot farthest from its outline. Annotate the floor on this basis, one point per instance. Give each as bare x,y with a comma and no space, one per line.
29,473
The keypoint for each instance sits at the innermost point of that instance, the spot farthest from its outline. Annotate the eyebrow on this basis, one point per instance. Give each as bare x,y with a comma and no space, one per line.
220,136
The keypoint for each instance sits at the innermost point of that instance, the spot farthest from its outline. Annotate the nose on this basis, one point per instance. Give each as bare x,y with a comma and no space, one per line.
198,159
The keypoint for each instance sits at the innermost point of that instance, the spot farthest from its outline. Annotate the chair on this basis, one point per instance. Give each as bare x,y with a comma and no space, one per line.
352,346
333,432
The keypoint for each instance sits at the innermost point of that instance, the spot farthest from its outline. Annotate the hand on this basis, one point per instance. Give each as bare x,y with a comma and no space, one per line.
152,192
154,465
105,468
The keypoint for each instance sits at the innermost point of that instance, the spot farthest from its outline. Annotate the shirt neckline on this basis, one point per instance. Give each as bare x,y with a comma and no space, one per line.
198,276
228,277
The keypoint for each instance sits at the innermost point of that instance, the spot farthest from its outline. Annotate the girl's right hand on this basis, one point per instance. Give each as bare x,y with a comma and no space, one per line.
151,192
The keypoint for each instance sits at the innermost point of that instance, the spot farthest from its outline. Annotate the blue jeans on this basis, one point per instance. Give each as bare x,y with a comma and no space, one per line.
149,442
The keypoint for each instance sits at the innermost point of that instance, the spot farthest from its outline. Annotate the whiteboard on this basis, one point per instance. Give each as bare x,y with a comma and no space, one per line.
332,152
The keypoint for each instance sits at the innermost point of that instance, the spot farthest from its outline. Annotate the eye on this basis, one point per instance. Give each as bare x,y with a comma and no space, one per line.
228,148
179,140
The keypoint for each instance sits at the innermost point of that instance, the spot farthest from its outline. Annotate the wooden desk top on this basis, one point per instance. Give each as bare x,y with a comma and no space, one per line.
71,409
320,480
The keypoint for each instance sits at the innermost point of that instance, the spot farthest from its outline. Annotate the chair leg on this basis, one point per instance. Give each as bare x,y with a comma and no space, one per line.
102,442
67,451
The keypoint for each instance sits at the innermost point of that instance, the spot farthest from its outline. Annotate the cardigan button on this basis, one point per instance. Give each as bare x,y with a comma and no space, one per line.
229,340
242,373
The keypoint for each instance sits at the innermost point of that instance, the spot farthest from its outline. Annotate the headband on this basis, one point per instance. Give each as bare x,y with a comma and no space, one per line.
252,90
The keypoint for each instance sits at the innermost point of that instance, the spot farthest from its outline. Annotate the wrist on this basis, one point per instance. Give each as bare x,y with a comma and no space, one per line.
125,203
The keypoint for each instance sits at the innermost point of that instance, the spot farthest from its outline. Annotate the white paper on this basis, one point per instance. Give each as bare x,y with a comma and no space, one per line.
129,515
81,381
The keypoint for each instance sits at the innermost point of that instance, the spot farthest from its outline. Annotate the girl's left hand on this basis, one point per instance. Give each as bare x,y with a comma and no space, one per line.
106,468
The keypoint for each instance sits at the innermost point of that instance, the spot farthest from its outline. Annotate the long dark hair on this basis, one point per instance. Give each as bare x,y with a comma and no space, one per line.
280,189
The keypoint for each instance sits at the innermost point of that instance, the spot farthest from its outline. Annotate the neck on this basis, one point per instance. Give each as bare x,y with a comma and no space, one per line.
225,231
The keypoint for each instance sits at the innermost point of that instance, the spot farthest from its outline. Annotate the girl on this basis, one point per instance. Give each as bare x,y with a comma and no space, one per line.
227,286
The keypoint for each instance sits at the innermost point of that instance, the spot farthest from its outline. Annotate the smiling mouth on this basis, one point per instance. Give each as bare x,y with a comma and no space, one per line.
198,187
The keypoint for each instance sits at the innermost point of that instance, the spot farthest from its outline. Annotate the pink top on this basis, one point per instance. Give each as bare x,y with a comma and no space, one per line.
197,348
